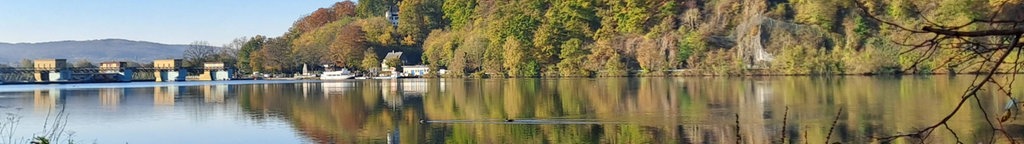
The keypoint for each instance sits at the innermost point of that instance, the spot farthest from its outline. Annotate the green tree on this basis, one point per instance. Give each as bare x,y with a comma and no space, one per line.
458,12
572,19
494,59
815,12
514,56
416,18
691,45
900,9
572,55
370,61
379,31
517,59
517,22
247,50
372,8
395,63
958,11
469,56
615,67
438,49
630,15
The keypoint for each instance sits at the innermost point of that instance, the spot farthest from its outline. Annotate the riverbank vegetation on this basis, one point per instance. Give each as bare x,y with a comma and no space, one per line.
534,38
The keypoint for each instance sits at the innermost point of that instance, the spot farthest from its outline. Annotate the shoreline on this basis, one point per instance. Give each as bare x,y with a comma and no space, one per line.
278,80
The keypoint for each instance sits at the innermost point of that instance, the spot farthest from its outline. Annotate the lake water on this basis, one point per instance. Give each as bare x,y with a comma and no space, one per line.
583,110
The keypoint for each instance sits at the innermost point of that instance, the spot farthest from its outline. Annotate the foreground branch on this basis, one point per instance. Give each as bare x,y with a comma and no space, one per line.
983,33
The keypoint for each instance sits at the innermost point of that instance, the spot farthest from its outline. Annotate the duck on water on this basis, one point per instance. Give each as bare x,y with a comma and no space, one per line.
422,121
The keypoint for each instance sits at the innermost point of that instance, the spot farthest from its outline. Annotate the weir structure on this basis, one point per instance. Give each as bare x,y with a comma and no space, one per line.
169,70
49,70
43,71
215,71
116,71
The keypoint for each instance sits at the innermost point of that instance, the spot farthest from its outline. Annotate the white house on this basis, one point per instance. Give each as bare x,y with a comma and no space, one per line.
391,55
392,14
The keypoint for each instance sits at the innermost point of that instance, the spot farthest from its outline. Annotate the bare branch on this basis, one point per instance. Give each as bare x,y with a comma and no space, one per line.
984,33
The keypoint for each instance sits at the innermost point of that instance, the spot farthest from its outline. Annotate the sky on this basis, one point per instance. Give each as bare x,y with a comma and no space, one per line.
162,21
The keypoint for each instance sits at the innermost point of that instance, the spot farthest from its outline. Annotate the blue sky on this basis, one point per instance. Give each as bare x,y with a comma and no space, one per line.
162,21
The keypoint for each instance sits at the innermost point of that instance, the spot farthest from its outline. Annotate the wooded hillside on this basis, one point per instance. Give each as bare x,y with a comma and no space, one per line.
530,38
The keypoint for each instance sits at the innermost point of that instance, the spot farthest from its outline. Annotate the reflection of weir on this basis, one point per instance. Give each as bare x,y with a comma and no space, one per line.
111,97
45,99
165,95
214,93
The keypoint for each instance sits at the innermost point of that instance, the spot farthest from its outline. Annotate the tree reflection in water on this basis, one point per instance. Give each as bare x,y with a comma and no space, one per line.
623,110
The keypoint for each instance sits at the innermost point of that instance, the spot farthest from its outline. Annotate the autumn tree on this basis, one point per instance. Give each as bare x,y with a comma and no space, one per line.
655,55
312,47
275,56
314,20
343,9
246,51
349,46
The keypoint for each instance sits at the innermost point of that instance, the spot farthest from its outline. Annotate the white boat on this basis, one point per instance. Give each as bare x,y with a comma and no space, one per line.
393,76
337,75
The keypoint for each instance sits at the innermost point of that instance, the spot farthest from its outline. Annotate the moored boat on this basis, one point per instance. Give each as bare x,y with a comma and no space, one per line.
337,75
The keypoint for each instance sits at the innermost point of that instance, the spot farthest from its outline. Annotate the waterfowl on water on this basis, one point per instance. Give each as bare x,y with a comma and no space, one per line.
1007,110
1005,117
423,121
509,120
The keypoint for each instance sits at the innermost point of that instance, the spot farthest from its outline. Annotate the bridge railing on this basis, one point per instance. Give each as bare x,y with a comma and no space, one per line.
23,74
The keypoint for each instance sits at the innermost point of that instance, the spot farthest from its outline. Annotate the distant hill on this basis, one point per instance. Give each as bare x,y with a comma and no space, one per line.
92,50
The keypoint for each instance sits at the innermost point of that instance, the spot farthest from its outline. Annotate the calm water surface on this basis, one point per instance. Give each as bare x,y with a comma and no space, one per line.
599,110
